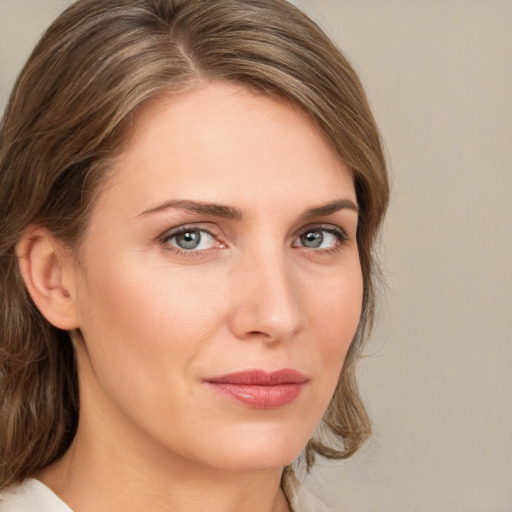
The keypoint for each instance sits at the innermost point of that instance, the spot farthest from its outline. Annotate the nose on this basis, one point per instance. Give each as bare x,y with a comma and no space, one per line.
267,300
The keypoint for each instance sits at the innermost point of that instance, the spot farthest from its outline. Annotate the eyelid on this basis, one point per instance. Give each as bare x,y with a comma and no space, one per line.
334,230
207,227
213,231
178,230
330,228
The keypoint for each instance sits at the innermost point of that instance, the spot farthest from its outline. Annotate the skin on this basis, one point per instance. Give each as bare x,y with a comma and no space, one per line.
158,320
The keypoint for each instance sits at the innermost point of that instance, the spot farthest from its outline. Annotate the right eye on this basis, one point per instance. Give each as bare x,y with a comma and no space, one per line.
190,239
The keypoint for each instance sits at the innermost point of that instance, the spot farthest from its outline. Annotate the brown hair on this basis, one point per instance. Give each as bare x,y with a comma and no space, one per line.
96,64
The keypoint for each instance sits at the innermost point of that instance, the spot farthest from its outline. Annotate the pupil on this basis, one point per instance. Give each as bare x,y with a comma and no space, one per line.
189,239
313,239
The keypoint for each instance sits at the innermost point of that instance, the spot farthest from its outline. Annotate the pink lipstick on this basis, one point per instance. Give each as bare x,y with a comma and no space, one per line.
260,389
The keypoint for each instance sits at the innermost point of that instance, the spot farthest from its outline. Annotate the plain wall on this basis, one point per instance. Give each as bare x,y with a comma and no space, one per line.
438,376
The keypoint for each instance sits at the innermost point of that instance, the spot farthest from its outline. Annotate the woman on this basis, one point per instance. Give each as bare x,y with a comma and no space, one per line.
190,195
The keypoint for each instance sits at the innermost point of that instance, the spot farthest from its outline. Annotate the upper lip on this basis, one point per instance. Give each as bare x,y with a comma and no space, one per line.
261,377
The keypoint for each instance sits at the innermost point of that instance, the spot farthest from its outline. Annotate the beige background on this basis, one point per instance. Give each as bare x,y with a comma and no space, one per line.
438,377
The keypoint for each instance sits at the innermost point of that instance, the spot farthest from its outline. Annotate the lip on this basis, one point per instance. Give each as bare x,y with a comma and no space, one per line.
260,389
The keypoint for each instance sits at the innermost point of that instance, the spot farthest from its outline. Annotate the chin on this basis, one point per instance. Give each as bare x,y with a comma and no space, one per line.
253,449
255,461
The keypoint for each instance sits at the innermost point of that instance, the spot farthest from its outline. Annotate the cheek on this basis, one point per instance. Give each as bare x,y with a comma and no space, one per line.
145,334
144,329
338,303
335,318
148,308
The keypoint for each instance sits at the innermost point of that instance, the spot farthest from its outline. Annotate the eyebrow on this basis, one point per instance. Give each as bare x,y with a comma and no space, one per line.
330,208
215,210
232,213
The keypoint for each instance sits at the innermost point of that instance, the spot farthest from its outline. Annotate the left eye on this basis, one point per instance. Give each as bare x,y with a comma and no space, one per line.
318,239
191,240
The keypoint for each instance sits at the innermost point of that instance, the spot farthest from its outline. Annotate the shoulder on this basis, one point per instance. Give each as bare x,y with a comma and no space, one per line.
31,496
300,498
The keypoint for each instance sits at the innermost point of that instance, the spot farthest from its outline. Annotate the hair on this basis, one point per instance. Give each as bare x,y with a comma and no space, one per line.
66,119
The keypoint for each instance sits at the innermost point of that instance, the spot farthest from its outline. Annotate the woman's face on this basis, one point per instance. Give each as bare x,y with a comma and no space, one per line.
219,286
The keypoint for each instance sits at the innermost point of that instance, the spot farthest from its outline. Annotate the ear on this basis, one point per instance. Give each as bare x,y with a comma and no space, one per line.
50,275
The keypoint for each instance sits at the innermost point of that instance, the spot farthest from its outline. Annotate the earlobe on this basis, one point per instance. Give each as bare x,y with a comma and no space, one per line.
48,273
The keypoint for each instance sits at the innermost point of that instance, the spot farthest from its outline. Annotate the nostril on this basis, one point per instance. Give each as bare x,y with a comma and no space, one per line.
263,336
258,334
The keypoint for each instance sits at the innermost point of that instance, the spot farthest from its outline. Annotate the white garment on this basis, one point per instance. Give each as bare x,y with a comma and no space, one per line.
300,498
33,496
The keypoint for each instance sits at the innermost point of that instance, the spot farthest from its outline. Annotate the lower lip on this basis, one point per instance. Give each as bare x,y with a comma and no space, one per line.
260,397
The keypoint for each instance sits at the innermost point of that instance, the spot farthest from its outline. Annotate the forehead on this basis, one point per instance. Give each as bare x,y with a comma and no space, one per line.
221,140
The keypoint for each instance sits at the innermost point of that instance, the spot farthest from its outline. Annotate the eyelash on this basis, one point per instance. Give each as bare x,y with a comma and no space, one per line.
169,235
337,232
